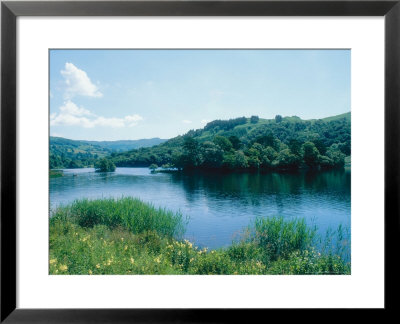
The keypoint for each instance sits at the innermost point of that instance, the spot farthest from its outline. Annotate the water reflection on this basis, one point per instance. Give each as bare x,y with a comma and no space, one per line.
219,205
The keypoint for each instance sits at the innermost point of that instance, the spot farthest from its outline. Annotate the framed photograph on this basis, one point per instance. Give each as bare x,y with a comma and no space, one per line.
163,158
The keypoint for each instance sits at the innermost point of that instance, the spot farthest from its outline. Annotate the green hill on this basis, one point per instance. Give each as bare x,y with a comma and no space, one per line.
220,140
67,153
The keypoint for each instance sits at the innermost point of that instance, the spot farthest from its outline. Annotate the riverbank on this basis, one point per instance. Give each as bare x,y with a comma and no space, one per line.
127,236
56,173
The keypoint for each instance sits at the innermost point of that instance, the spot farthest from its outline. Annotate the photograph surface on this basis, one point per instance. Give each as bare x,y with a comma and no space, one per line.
204,162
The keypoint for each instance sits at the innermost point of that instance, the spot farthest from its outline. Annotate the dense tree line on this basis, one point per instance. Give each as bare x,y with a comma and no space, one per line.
253,144
225,124
264,153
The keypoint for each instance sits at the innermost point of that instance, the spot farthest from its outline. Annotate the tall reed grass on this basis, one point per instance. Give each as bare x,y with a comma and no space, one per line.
127,213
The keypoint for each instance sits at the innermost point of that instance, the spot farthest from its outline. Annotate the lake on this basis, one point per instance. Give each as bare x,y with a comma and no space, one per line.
219,206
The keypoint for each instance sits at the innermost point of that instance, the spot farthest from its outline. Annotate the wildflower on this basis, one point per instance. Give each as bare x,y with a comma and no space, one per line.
109,262
63,267
98,266
126,247
122,239
132,260
191,260
90,272
157,260
53,261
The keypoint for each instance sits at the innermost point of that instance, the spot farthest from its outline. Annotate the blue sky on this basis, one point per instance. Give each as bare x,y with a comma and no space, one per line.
133,94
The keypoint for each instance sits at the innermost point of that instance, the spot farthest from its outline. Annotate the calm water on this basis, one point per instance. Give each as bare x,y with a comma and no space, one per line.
219,206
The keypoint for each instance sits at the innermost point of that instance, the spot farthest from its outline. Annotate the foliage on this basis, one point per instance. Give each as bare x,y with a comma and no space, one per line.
127,213
291,143
70,154
127,236
55,173
278,118
104,165
254,119
153,167
66,153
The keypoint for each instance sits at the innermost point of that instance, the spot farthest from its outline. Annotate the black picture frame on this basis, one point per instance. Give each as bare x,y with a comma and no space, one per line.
10,10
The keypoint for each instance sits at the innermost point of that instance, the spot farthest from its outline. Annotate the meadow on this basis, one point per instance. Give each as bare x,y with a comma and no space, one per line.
128,236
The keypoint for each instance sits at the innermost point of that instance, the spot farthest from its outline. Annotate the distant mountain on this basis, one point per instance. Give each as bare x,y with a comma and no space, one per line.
67,153
126,145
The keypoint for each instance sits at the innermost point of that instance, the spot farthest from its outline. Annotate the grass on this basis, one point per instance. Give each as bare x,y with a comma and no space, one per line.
128,214
56,173
127,236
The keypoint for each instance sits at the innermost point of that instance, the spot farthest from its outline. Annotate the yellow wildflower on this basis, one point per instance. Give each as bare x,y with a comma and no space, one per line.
126,247
90,272
97,266
122,239
53,261
157,260
63,267
132,260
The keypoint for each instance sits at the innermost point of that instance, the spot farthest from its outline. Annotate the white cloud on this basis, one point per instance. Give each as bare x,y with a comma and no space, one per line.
185,121
78,83
72,109
204,121
132,120
72,115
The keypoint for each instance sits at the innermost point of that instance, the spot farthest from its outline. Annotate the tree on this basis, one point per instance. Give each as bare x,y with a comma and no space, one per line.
153,167
335,154
254,155
240,160
104,165
191,156
254,119
286,159
320,145
295,146
212,155
311,154
235,141
278,118
223,142
268,140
